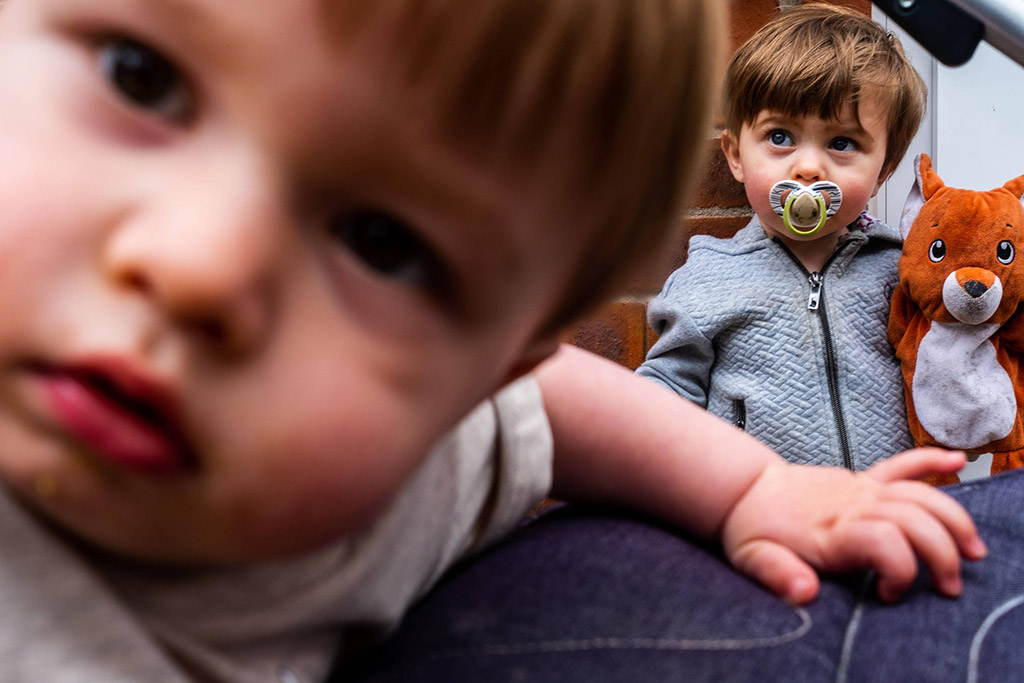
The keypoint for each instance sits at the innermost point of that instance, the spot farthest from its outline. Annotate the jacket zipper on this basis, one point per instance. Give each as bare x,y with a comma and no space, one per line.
815,303
740,410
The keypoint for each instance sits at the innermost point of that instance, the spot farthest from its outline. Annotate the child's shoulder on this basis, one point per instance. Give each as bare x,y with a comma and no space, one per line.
746,240
724,262
875,229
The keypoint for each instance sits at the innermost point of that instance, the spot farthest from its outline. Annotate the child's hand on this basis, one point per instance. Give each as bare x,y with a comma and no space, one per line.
796,517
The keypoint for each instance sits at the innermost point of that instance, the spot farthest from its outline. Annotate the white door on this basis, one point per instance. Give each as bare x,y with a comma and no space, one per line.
974,128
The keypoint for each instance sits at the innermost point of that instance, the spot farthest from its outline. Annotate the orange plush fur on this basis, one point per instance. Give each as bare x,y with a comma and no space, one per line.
953,321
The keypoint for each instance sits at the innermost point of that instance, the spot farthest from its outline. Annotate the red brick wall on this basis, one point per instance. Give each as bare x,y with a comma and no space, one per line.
619,330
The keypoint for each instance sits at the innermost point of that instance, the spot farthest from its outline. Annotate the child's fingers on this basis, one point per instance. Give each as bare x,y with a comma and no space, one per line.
917,463
778,568
879,545
930,540
946,510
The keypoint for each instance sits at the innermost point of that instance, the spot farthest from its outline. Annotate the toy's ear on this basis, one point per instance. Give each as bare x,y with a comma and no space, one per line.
927,177
915,200
926,183
1016,187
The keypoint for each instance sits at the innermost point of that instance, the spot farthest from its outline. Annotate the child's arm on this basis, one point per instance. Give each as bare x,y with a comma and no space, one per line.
682,357
620,439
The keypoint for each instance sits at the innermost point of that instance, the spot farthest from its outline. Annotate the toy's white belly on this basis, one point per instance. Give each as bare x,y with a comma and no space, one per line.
962,395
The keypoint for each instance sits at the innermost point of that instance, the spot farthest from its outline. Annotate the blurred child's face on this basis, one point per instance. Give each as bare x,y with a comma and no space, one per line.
242,292
848,151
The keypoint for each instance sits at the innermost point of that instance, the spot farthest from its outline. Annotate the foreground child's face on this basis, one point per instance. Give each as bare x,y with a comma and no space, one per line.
848,151
240,293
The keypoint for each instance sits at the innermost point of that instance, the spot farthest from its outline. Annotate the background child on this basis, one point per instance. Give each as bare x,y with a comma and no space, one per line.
784,334
258,258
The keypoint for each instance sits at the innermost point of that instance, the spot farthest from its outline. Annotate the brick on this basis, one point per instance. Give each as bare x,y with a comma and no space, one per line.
717,187
746,16
616,331
650,279
649,282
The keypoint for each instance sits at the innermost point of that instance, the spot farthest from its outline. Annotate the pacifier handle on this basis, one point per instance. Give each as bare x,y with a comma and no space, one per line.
808,201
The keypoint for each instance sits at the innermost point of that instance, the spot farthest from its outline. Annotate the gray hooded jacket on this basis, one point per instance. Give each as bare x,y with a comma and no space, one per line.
799,360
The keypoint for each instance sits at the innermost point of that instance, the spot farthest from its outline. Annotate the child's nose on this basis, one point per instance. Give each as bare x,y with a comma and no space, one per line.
206,263
808,167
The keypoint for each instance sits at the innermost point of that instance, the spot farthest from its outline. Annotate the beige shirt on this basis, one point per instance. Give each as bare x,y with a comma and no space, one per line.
285,621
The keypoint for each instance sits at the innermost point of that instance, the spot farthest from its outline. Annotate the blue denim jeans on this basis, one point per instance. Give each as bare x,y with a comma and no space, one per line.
597,596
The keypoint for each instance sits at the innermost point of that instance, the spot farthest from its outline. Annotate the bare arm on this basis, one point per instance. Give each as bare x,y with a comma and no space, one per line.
641,446
622,440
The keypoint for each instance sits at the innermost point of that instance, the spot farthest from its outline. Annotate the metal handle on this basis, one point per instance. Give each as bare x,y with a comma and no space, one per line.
1004,24
952,29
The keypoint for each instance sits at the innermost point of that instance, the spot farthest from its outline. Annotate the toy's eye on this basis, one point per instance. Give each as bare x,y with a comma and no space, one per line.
937,251
1005,252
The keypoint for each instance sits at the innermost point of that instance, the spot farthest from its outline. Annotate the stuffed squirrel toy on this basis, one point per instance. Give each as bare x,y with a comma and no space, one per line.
954,321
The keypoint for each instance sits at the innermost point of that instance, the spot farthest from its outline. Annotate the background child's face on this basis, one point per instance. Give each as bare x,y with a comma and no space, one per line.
848,151
242,293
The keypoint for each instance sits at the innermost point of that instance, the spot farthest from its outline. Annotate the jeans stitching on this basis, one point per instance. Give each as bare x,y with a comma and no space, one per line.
979,636
846,655
580,645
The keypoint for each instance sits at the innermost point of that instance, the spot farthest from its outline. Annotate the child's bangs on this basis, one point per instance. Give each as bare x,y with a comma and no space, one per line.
821,93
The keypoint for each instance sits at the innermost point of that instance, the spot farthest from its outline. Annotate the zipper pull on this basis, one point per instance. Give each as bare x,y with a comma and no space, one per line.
815,298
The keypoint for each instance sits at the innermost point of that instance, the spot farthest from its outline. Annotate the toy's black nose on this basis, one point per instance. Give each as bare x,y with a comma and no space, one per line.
975,288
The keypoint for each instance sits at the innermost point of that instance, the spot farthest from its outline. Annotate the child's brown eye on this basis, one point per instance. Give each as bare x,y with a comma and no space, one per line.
1005,252
937,251
387,246
144,78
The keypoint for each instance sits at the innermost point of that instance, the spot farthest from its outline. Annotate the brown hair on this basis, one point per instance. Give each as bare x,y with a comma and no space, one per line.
815,59
617,92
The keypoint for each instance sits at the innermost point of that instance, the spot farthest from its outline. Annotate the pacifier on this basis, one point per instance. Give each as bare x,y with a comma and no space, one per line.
805,210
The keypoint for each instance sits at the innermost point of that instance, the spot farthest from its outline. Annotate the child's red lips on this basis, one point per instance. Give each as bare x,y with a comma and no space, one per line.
119,412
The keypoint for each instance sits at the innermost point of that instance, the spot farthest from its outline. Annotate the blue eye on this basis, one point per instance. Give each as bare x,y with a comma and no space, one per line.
145,79
388,247
844,145
780,138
